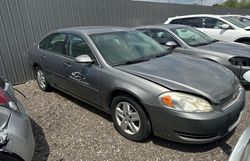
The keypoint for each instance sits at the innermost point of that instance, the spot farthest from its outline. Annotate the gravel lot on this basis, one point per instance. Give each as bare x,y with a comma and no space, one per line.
68,130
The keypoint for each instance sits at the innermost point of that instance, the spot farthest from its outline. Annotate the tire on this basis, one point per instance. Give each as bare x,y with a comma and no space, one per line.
8,157
129,118
41,80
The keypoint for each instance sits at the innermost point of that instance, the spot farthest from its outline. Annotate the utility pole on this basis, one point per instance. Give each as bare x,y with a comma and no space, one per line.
201,2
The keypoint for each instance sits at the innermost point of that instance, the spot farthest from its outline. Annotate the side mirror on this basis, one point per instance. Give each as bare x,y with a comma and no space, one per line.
171,44
83,59
225,26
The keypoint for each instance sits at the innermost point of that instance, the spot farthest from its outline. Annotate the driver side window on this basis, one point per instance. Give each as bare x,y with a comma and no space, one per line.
212,23
77,46
161,36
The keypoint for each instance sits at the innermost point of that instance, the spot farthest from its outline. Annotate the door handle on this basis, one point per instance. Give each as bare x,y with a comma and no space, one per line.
68,65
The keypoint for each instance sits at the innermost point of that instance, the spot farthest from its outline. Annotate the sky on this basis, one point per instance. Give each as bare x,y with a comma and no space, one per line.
204,2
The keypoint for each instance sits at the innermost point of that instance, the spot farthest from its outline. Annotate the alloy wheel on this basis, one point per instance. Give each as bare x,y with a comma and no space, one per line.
41,79
127,118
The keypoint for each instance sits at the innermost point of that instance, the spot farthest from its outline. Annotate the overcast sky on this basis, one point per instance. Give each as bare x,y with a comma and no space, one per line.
204,2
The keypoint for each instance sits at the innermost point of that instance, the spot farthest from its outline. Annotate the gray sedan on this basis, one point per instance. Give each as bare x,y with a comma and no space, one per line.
16,136
144,87
190,41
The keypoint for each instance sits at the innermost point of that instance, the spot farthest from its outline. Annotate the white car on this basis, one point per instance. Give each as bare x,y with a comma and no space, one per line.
243,19
220,27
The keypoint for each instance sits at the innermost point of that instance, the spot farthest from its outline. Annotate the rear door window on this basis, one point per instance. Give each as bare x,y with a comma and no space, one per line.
54,43
193,22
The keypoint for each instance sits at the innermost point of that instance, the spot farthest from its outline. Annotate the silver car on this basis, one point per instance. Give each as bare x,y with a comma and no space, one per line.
16,136
190,41
142,85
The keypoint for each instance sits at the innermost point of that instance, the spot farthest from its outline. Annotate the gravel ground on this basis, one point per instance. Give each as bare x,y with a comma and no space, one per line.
68,130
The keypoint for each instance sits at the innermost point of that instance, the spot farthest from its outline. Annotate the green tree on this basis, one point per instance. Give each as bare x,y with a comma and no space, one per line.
236,4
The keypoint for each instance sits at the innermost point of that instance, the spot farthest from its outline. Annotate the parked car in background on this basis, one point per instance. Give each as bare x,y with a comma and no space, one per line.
241,150
243,19
219,27
144,87
16,136
190,41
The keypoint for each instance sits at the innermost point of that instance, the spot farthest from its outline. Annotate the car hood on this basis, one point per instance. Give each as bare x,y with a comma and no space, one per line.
184,73
230,49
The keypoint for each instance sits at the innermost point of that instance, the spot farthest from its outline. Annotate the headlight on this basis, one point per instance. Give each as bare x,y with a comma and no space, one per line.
184,102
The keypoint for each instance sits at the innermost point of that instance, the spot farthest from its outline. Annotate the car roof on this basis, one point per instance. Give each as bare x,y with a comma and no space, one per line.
162,26
197,15
93,29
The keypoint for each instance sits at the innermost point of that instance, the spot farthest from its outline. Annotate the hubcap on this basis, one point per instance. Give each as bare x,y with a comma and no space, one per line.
41,79
127,118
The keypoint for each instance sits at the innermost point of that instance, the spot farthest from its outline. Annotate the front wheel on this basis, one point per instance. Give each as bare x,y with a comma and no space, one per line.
129,118
41,80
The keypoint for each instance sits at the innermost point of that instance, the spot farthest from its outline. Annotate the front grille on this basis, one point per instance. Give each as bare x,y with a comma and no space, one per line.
240,61
225,102
195,136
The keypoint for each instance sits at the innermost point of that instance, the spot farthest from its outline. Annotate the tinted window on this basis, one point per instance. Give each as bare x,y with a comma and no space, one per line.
193,22
77,46
161,36
55,43
212,23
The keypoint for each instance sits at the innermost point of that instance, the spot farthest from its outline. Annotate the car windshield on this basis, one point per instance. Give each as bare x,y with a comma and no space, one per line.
127,47
192,36
235,22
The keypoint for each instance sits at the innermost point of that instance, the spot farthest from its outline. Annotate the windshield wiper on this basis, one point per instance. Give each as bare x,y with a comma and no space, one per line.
132,62
161,54
203,44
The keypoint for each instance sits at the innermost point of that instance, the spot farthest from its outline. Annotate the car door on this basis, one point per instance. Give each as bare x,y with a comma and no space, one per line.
83,80
52,50
212,27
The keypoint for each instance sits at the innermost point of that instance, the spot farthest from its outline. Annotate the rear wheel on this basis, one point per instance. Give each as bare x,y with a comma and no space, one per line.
129,118
41,80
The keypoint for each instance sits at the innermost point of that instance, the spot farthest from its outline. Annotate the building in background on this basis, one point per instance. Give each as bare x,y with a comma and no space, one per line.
24,22
193,2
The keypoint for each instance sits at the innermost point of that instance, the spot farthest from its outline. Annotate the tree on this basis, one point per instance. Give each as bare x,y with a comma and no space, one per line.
236,4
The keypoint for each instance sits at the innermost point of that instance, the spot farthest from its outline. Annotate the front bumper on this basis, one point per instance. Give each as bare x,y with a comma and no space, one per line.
20,135
196,128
